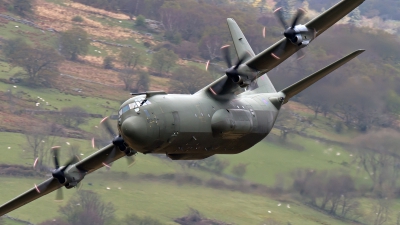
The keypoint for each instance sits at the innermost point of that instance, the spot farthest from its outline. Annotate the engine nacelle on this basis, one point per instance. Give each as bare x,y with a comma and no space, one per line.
247,75
73,176
303,36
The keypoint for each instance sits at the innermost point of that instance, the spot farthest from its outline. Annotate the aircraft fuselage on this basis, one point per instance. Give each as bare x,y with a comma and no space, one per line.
196,126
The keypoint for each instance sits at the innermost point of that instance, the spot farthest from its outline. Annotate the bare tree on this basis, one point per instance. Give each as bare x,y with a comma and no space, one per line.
129,58
88,209
127,76
349,206
330,191
381,210
188,80
377,154
73,116
39,140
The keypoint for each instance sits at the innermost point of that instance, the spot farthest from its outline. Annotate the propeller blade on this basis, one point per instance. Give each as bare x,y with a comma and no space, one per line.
264,32
226,55
280,50
70,162
35,163
279,14
43,187
109,160
59,195
56,153
208,63
300,13
93,146
79,186
241,59
130,160
106,124
217,88
37,189
300,54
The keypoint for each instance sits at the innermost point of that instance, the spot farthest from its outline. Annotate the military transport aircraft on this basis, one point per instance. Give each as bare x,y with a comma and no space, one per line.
212,121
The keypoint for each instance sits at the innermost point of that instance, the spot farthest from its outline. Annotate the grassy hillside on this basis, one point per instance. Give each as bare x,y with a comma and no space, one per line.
165,200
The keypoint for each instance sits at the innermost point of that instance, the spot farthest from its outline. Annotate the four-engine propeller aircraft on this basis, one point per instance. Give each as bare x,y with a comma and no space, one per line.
212,121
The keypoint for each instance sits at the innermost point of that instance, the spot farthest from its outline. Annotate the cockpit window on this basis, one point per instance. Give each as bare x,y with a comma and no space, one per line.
135,105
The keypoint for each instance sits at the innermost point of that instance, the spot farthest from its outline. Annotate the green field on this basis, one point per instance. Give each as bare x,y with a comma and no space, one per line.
166,200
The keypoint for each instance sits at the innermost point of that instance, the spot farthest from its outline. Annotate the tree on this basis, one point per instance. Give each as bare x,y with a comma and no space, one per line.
381,210
188,80
14,48
129,58
140,21
39,64
87,208
108,63
74,42
39,140
127,76
318,98
143,81
163,60
377,154
73,116
22,7
211,42
330,191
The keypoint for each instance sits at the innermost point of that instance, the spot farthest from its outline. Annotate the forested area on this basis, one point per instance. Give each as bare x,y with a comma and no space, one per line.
386,10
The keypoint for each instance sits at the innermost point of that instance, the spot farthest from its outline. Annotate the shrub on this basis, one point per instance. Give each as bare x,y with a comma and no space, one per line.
140,21
108,63
77,19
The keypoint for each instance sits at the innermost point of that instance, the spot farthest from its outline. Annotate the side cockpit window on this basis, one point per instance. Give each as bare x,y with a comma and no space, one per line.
135,105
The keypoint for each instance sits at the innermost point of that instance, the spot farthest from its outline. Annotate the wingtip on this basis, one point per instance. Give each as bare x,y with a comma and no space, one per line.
359,51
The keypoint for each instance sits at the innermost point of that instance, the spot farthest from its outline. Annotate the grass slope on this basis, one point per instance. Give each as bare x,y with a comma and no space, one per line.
167,200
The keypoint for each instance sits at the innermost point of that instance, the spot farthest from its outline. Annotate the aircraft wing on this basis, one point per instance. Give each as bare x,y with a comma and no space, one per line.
93,162
97,159
40,190
266,62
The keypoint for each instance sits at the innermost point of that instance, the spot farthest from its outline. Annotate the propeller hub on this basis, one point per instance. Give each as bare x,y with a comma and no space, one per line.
233,74
59,175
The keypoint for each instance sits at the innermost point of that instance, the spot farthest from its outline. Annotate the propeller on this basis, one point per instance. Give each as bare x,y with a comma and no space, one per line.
290,33
58,172
117,141
232,71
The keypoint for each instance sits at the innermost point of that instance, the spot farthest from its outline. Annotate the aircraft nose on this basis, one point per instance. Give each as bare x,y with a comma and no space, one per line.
134,130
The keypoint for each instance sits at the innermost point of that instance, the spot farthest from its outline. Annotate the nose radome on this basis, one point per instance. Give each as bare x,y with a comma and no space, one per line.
134,129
